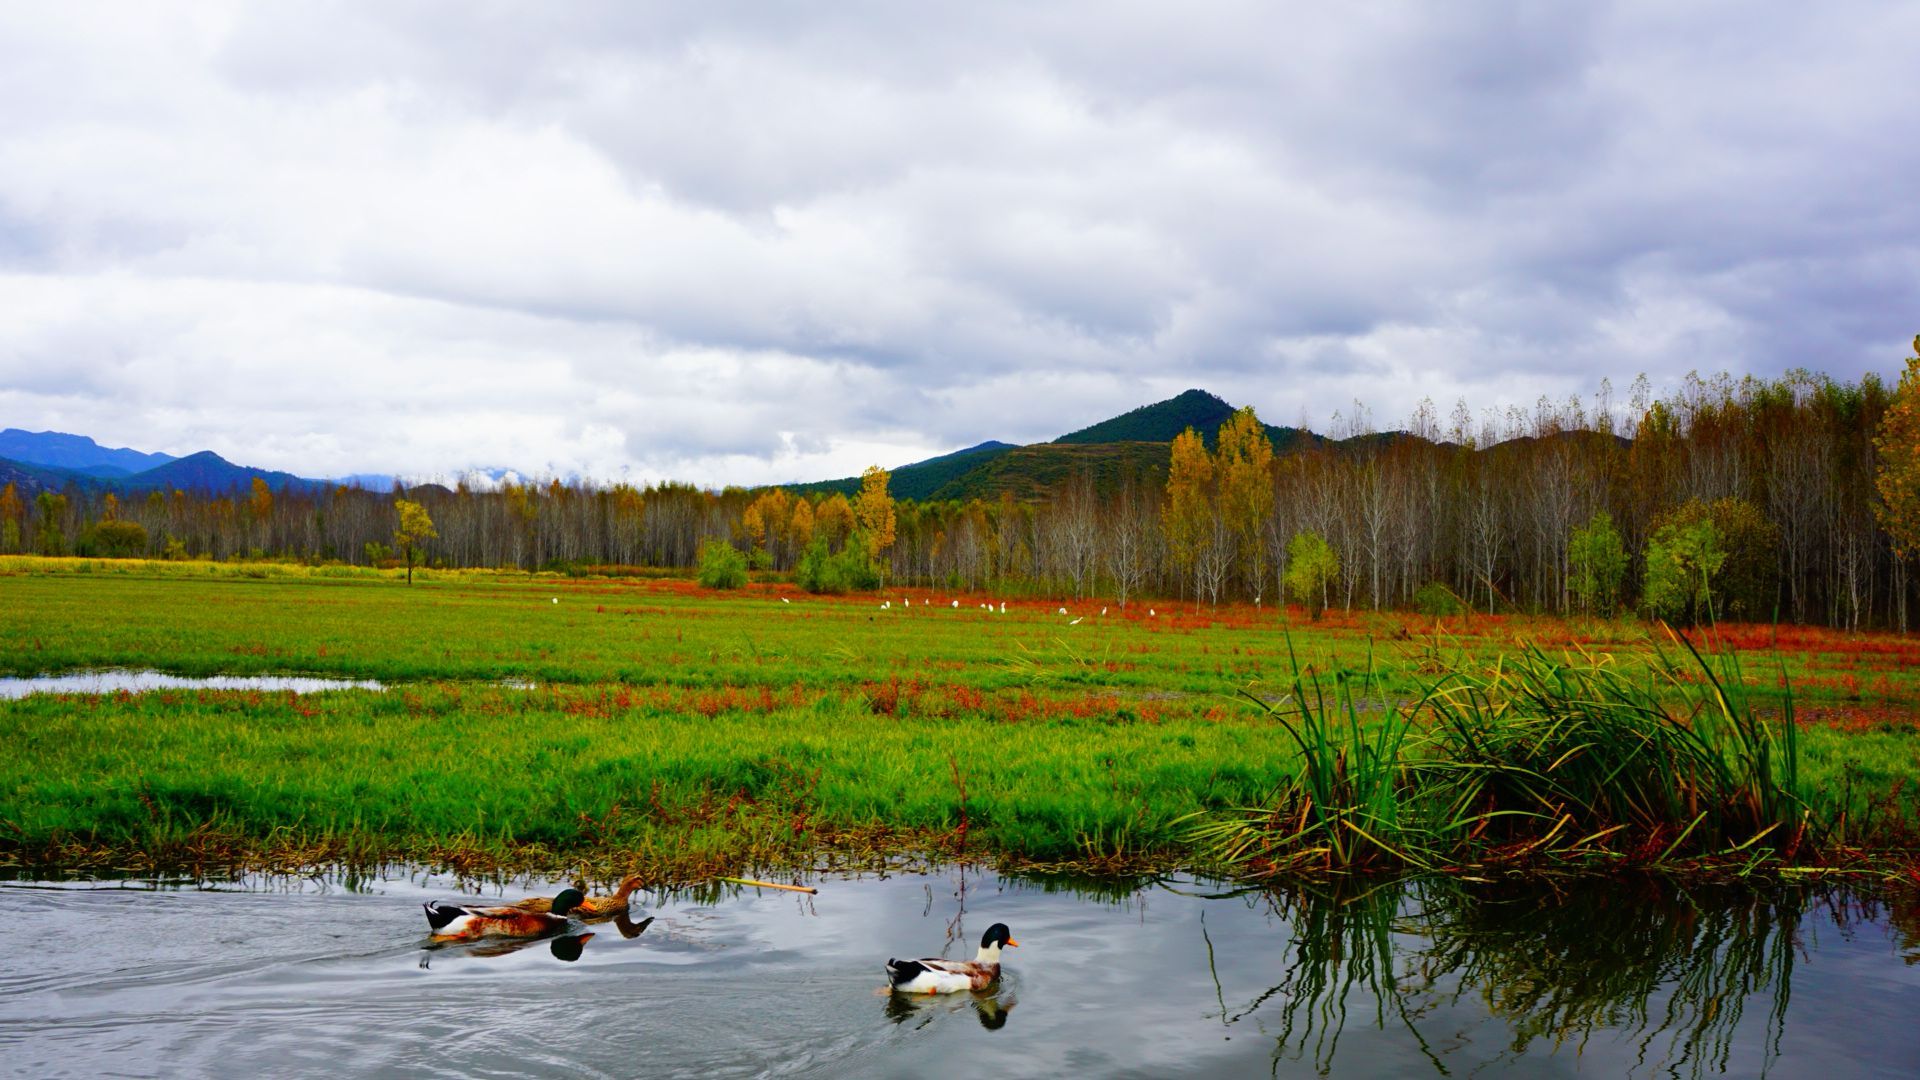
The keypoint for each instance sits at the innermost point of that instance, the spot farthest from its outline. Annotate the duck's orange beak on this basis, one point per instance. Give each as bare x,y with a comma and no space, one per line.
1013,943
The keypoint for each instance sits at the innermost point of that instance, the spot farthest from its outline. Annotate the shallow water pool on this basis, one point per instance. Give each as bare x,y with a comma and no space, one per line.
1171,978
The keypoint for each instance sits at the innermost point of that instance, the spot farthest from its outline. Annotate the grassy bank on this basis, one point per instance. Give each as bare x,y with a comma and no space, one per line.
685,732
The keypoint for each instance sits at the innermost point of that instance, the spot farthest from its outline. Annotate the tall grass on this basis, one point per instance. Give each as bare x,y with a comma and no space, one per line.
1571,759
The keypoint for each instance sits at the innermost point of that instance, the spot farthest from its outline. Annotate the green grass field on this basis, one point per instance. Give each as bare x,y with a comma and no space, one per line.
687,732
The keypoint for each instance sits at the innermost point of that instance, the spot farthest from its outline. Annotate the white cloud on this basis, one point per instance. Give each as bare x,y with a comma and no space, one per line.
627,240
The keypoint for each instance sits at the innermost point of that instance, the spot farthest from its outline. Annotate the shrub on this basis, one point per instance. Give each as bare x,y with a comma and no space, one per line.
113,539
722,566
823,570
1437,600
1720,555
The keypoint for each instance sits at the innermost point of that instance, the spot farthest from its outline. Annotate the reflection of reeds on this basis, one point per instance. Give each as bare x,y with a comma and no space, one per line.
1571,760
1673,969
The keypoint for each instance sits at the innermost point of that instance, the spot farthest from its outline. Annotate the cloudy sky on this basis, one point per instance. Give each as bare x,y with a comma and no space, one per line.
735,243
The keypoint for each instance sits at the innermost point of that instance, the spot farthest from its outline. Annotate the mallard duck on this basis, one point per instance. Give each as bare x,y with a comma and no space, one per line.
453,922
936,976
591,908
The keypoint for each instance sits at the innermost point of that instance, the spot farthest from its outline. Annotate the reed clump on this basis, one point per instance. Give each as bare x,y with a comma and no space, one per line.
1567,762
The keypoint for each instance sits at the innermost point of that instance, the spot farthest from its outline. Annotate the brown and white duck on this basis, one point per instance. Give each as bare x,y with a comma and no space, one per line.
458,922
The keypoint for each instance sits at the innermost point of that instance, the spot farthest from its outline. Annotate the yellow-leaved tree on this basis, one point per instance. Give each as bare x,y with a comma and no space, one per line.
873,511
1898,443
416,528
833,519
1244,462
1188,512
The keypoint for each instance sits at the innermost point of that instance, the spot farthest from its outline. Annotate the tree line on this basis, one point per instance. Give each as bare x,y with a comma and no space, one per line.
1745,498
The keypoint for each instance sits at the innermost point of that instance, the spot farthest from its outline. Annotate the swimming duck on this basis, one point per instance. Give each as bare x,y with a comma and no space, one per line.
591,908
937,976
453,922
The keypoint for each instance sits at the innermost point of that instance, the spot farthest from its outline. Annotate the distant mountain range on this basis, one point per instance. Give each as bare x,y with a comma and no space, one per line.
52,460
1131,445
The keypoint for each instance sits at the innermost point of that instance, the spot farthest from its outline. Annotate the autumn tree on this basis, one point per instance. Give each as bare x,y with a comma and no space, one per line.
416,528
833,520
1187,514
800,526
1312,565
10,510
1898,446
1244,463
873,511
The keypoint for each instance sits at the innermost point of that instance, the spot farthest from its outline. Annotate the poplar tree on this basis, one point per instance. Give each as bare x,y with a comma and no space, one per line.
1898,443
1245,466
416,528
1188,510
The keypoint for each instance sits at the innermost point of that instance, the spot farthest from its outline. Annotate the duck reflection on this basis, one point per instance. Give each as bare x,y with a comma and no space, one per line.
565,947
990,1006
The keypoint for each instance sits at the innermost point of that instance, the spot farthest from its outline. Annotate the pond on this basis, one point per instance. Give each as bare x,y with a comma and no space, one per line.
1173,978
139,682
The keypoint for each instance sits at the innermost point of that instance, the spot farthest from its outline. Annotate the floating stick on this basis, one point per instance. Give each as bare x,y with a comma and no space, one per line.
768,885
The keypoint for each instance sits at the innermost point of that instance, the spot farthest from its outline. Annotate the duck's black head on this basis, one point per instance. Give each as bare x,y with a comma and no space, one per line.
567,901
998,935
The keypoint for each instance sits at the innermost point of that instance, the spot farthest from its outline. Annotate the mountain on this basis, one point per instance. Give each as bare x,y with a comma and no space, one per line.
921,479
1163,421
208,471
29,479
1033,472
75,452
1133,445
1160,422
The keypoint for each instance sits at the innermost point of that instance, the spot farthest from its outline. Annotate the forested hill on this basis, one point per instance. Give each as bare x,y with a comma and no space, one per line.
1163,421
920,480
1131,445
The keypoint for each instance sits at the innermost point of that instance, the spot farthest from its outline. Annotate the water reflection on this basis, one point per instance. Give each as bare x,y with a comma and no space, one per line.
991,1006
137,682
1685,974
566,947
1170,977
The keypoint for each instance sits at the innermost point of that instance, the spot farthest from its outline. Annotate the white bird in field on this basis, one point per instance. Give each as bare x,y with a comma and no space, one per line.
956,603
1075,622
1149,613
1103,611
784,600
1003,607
908,601
1063,611
556,599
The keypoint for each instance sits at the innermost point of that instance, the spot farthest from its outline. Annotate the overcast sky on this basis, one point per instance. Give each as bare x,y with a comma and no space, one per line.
731,243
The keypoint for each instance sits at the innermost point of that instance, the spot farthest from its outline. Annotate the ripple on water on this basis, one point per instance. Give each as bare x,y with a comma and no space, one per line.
1397,981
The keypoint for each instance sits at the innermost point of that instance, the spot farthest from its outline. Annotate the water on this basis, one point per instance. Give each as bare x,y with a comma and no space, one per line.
1172,979
137,682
